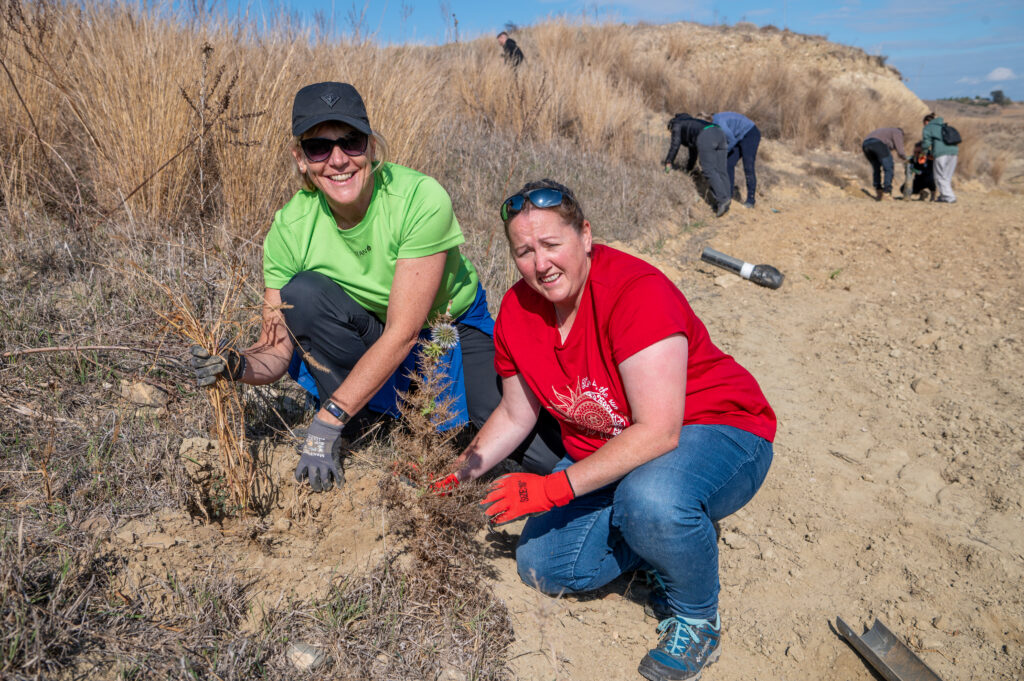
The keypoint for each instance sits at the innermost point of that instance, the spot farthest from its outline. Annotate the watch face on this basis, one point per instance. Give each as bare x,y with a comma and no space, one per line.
337,412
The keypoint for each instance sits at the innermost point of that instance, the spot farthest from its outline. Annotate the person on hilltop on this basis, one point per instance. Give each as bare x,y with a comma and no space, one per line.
706,141
354,265
743,138
878,148
944,155
510,51
665,433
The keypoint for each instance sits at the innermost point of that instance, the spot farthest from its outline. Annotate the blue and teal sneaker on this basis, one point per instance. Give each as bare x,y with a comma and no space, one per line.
686,646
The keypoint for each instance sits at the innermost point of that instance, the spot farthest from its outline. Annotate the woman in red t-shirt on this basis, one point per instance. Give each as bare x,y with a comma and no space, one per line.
665,433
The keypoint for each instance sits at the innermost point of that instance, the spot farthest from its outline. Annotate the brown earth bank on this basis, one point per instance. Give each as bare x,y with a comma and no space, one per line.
894,357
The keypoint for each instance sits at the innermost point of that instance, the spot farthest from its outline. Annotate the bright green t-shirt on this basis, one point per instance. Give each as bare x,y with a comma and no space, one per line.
410,216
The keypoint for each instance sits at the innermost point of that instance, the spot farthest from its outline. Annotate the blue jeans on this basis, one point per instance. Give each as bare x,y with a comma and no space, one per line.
658,516
877,153
746,149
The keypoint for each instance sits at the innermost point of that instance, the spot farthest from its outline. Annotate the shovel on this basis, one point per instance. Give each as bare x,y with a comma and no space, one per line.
887,654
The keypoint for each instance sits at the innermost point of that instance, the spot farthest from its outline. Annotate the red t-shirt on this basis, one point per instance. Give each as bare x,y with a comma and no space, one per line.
626,306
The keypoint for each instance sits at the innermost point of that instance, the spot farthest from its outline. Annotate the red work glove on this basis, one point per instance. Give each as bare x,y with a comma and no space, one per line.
517,495
444,486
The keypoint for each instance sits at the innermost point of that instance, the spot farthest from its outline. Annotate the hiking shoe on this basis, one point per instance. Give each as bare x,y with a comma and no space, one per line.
656,605
686,646
748,204
945,199
723,208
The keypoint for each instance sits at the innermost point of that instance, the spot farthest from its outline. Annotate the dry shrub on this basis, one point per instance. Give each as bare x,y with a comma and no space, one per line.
999,164
247,479
44,151
119,84
975,156
444,562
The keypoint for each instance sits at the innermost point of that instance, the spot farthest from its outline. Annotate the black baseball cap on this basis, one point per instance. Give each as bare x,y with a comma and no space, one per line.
321,102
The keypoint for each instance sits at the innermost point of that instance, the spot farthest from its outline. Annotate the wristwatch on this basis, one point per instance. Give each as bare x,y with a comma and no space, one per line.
337,412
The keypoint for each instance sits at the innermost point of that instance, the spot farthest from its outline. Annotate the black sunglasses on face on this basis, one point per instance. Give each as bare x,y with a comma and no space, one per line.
540,198
319,149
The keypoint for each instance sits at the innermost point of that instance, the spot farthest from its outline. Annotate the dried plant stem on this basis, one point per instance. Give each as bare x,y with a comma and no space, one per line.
248,483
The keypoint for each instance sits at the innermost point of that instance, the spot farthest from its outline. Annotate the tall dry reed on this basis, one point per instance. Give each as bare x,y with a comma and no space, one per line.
192,113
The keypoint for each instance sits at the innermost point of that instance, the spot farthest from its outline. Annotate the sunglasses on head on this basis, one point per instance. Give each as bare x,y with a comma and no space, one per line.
319,149
540,198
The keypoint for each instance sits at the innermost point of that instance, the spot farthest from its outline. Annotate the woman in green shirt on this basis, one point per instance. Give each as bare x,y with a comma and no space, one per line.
354,265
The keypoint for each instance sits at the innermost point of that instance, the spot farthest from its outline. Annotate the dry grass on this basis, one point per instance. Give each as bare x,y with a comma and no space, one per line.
197,124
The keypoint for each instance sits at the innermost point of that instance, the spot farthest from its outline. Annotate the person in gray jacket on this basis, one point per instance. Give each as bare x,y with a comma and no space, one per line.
706,141
945,156
878,148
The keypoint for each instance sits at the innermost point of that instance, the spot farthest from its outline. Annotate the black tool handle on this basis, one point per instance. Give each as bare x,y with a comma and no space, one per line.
722,260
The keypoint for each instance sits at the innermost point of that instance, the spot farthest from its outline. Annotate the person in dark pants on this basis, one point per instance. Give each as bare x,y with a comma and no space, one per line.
705,141
921,166
743,139
510,51
356,266
878,148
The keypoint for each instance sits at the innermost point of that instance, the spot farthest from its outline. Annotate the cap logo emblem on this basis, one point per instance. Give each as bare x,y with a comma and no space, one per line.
330,98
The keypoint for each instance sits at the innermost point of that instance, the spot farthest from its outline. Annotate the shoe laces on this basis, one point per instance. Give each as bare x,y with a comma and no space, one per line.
676,635
654,580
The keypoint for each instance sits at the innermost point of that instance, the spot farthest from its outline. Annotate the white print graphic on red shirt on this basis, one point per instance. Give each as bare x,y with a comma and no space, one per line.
590,408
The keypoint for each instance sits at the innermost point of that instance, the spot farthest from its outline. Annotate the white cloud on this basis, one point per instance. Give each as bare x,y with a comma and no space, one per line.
1000,74
969,81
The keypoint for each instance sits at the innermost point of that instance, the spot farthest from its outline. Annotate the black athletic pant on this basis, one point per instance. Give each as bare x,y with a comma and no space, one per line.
335,331
711,151
878,154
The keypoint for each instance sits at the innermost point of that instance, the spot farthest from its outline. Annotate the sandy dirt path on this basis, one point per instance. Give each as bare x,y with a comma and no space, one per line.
894,357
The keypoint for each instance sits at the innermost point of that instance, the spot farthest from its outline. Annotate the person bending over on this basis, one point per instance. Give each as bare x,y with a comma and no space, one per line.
743,138
705,141
878,148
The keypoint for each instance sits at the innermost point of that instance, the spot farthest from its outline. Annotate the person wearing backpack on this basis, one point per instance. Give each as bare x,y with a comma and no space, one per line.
939,140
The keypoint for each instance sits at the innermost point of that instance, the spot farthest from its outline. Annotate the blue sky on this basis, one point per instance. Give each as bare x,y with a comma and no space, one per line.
943,48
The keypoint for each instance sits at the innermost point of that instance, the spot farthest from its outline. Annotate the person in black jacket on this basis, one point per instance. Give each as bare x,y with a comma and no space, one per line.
923,185
512,54
706,141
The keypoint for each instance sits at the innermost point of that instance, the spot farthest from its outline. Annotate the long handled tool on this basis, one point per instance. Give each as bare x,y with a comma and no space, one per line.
887,654
762,275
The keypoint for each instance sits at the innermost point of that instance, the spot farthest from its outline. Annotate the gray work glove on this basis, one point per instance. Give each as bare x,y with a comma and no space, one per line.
230,363
320,457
